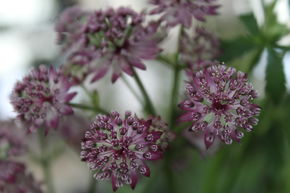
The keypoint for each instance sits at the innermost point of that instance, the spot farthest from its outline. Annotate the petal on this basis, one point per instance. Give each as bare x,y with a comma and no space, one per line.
70,96
134,179
66,110
100,74
115,77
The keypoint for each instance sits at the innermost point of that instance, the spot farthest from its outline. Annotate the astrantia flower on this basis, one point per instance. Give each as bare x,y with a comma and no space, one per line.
219,104
41,98
175,12
118,149
198,51
11,143
14,179
116,39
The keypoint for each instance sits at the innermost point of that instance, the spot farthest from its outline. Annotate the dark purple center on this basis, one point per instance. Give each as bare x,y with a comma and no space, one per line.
217,106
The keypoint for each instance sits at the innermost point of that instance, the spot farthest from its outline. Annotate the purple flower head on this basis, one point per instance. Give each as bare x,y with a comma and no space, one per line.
11,143
116,39
14,179
118,149
219,104
199,51
41,98
175,12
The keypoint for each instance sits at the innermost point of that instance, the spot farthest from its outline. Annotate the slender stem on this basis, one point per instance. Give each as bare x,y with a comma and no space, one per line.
144,92
170,175
45,163
174,92
175,84
93,185
132,90
90,108
48,178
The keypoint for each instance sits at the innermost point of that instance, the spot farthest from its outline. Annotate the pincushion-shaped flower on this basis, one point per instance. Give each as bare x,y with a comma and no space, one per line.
175,12
219,104
198,51
117,148
41,98
14,179
117,39
11,143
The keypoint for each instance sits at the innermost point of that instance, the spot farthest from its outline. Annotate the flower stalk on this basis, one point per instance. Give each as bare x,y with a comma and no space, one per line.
148,103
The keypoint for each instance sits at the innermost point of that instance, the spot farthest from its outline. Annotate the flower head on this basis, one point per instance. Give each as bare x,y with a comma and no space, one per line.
14,179
41,98
219,104
199,51
116,39
118,149
175,12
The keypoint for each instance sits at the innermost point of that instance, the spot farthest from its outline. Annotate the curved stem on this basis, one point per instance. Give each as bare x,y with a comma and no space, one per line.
174,92
45,163
90,108
176,79
132,89
93,186
148,102
170,176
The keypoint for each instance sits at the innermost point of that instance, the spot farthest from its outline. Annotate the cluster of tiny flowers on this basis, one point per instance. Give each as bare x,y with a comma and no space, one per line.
41,98
117,148
219,104
116,38
199,51
175,12
14,179
11,143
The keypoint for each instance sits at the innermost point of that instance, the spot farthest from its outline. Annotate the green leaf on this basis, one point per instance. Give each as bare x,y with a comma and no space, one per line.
275,76
236,48
250,22
272,29
255,58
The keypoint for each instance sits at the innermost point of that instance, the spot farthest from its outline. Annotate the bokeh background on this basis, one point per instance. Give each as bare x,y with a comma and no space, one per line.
27,39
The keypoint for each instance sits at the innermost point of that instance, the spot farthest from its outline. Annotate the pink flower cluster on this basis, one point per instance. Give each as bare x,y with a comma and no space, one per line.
175,12
114,38
117,148
14,179
41,98
219,104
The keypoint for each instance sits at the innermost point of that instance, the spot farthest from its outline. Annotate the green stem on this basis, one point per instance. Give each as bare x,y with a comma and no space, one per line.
132,89
175,85
45,163
93,185
169,175
174,93
85,107
148,102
